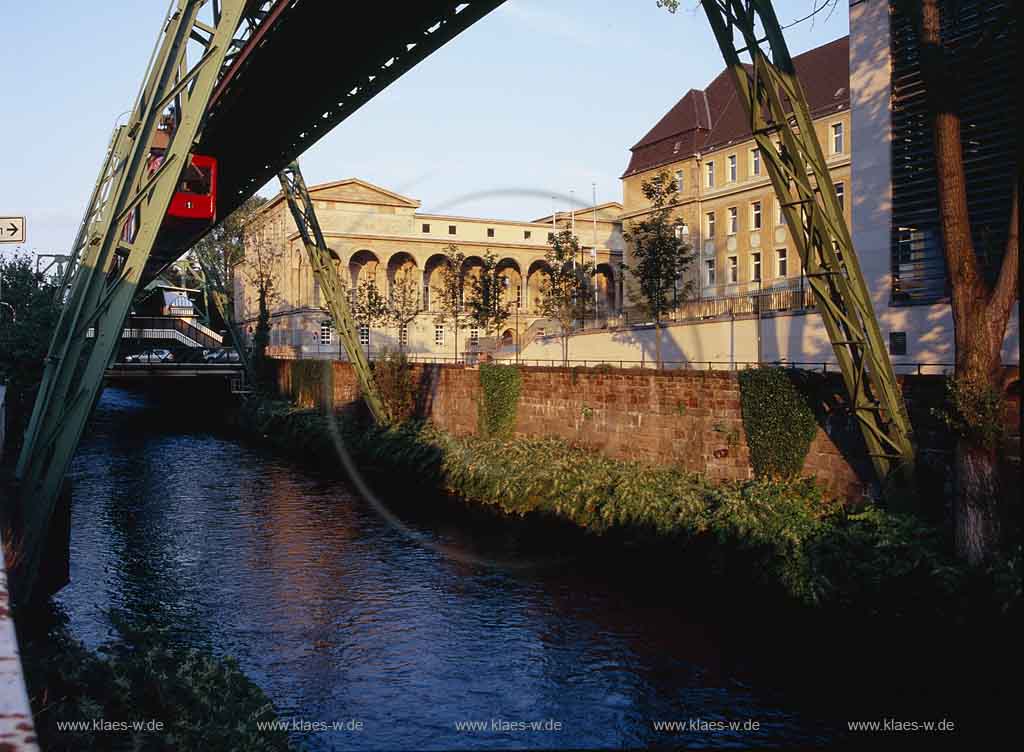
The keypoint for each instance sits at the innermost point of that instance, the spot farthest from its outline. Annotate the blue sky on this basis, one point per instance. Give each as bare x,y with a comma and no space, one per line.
536,99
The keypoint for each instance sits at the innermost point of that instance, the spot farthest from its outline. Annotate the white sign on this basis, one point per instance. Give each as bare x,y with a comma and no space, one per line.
12,229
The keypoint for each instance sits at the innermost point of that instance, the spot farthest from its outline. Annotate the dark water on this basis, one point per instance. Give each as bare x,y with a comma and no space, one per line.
340,616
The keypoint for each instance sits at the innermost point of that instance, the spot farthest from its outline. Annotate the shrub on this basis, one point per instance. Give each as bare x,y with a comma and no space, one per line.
393,375
499,386
973,410
779,423
201,701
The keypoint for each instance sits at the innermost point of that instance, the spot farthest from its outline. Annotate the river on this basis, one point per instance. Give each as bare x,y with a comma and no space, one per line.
342,616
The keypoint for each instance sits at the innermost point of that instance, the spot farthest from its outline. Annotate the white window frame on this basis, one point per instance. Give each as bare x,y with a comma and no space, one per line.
780,218
326,334
782,262
439,335
733,168
840,189
403,335
679,181
709,272
709,224
474,336
733,214
755,266
733,269
755,215
755,162
709,174
364,335
837,134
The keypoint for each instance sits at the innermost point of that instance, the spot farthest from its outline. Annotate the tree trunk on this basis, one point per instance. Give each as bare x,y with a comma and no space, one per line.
657,343
975,515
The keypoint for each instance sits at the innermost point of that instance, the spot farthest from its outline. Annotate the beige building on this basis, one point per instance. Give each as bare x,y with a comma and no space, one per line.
379,235
726,206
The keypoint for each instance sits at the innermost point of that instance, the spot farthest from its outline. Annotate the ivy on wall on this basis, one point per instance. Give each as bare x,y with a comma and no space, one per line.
499,387
778,421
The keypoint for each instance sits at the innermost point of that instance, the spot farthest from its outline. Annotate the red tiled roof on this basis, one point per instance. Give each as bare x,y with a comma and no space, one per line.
706,119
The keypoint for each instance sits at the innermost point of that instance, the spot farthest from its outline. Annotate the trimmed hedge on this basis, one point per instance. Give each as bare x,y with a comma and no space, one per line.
779,423
499,386
779,534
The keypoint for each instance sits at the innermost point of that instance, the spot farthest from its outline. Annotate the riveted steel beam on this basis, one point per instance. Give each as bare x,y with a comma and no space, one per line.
125,214
323,265
775,103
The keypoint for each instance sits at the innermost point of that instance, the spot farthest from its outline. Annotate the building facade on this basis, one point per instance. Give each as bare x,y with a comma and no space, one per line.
380,236
726,206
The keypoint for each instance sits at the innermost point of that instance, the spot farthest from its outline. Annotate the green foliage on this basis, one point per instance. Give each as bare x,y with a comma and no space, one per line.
369,307
201,702
660,256
393,375
778,534
487,304
973,411
447,295
27,320
778,421
499,387
566,287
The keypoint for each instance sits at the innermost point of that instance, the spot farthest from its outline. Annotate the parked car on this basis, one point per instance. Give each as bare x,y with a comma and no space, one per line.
222,355
156,355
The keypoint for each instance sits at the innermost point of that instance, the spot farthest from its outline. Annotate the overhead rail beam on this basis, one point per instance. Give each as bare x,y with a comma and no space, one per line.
784,132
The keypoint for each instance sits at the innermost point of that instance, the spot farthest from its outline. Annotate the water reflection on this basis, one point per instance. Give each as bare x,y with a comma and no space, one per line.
338,616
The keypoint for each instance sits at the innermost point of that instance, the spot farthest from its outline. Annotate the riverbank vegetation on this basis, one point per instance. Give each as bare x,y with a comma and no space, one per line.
147,693
778,535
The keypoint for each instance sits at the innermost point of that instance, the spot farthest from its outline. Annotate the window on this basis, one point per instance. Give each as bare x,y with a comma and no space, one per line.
425,227
840,191
710,167
679,181
755,215
426,296
438,334
551,236
451,229
710,221
326,333
732,168
734,220
734,267
364,335
682,231
675,147
709,272
837,138
316,291
490,232
783,262
474,336
526,234
780,218
755,162
403,335
519,296
755,267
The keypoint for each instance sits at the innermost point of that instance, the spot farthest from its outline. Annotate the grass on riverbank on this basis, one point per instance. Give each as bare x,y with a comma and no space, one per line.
182,698
779,535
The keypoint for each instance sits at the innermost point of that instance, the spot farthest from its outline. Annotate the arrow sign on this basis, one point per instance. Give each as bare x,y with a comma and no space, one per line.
12,229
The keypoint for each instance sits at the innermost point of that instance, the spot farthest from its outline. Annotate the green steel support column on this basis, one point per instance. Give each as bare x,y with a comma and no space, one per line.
321,260
122,223
777,108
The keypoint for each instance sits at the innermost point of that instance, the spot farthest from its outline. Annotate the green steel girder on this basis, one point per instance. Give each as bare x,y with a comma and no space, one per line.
775,103
125,213
322,261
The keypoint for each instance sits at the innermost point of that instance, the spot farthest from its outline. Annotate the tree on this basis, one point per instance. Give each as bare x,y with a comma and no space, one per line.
660,256
566,288
980,310
449,292
403,302
369,307
487,306
213,260
27,319
264,260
